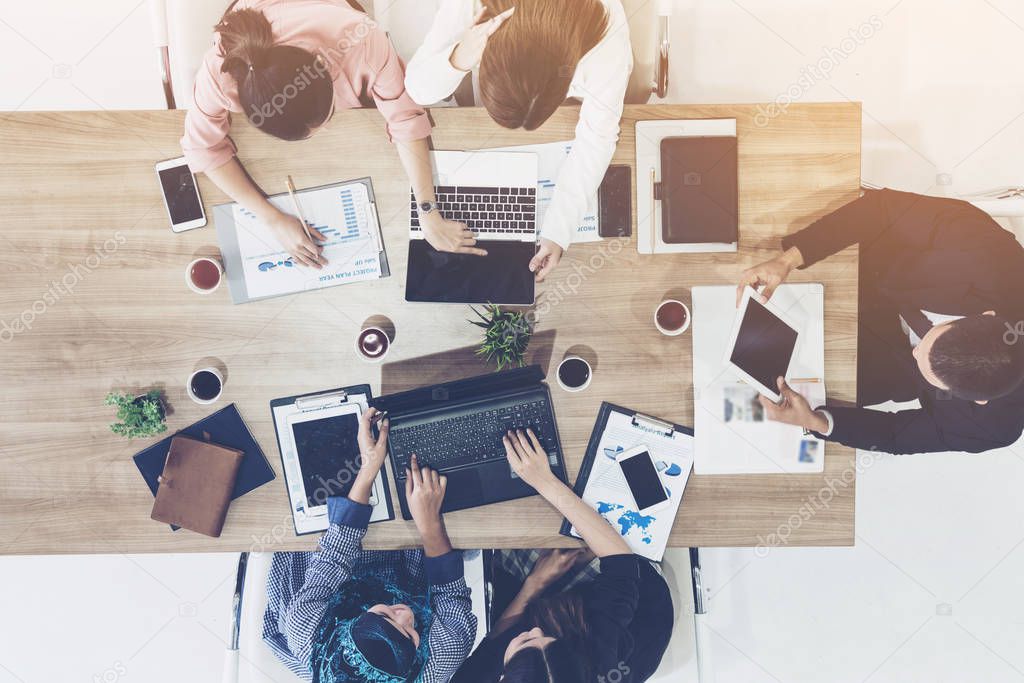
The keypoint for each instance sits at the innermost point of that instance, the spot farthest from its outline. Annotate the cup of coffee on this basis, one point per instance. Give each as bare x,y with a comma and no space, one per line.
672,317
205,385
203,275
574,373
373,344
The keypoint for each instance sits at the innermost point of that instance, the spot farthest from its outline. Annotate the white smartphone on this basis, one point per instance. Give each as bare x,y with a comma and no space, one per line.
643,480
181,195
762,344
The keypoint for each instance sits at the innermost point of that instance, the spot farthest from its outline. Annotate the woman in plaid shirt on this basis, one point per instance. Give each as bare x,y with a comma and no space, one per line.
345,614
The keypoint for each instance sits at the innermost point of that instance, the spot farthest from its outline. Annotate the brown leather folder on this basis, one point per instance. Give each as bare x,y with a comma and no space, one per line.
196,484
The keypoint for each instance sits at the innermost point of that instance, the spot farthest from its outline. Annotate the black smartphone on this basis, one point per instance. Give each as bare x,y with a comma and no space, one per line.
615,203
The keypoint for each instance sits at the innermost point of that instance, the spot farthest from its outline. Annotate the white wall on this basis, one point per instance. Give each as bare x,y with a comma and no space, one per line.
933,589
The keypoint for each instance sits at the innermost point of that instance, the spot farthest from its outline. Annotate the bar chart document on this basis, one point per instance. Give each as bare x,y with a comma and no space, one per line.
345,214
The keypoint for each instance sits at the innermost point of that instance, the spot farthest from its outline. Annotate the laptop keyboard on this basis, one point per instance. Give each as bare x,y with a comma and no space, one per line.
505,212
471,438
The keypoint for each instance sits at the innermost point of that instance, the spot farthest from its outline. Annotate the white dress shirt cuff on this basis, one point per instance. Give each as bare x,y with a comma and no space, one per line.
828,418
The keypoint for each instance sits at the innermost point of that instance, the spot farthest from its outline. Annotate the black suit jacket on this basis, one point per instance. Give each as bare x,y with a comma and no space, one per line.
939,255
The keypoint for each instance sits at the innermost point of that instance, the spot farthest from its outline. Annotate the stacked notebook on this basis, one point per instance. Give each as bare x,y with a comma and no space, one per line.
687,186
196,473
195,487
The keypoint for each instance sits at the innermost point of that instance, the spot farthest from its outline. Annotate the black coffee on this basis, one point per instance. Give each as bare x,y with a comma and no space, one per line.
574,373
205,385
671,316
372,343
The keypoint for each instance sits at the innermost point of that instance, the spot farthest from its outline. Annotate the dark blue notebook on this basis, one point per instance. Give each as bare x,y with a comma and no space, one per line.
225,428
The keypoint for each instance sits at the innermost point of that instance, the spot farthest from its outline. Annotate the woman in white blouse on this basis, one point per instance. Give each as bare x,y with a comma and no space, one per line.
545,51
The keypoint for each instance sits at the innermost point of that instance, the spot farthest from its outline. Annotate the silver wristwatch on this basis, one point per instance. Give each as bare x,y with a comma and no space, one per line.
426,207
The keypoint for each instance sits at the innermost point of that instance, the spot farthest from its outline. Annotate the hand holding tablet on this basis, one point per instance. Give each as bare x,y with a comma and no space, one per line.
794,409
762,344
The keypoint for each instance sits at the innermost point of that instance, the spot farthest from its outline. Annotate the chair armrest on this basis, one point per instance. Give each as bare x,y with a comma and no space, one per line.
158,21
664,41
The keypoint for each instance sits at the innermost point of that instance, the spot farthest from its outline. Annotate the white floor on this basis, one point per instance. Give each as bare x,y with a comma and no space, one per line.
933,589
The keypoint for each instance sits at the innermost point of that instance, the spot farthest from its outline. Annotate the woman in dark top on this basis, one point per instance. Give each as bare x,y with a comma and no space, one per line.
615,627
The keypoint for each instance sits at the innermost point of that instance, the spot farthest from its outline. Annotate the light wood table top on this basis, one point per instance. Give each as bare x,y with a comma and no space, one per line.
89,265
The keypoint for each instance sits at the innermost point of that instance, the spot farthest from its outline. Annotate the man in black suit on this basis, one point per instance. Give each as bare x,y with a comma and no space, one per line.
940,304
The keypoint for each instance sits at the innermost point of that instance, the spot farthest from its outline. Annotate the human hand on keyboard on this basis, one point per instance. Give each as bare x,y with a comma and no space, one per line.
452,236
527,457
424,493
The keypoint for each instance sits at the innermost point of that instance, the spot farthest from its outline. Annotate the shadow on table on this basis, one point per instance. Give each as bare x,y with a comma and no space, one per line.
454,364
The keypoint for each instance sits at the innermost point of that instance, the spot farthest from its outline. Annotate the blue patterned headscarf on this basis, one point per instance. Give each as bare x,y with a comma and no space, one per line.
354,646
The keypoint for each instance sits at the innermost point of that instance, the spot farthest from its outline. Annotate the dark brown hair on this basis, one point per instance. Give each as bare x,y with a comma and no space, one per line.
284,90
529,62
566,660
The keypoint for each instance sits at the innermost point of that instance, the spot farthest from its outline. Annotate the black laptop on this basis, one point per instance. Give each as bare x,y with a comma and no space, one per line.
457,428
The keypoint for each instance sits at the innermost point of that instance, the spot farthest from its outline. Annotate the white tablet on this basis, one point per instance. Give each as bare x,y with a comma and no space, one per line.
762,344
327,449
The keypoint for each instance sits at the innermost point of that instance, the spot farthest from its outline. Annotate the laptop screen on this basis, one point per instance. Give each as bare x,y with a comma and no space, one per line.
501,277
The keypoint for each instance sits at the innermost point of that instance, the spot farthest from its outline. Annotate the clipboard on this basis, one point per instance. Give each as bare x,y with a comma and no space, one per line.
677,461
241,271
322,401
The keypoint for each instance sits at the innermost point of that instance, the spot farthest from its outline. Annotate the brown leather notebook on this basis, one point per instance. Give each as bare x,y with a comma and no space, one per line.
196,484
699,190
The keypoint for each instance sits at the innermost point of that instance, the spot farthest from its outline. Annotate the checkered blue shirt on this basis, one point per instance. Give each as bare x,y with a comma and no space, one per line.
301,584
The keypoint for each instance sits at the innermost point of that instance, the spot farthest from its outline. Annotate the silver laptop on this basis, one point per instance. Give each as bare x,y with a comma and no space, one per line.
495,195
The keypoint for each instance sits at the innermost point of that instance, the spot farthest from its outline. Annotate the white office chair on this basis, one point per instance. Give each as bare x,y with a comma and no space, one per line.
183,32
649,33
1005,205
249,659
407,23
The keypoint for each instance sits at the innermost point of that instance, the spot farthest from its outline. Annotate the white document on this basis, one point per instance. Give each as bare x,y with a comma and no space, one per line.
345,216
607,492
732,433
550,158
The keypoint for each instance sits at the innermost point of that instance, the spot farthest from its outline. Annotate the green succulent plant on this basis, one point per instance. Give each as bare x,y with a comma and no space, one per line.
506,336
139,416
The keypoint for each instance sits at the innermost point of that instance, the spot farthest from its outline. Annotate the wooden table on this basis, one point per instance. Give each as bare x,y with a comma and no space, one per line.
91,269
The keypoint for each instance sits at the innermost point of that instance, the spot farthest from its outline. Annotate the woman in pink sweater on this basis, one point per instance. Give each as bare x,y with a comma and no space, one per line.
287,66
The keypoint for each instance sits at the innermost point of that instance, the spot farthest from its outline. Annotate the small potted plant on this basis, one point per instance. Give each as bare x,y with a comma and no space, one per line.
139,416
506,336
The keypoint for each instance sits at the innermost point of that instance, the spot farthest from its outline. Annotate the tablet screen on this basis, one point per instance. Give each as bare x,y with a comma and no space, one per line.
328,453
764,345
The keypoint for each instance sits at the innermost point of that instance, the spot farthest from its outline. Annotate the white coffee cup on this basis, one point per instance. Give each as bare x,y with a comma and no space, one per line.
205,401
573,359
667,331
196,288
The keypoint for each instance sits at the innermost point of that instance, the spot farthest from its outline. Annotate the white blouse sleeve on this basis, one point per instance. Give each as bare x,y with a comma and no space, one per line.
430,76
597,132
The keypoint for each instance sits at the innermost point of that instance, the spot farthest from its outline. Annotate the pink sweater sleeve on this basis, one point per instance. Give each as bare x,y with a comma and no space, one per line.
206,144
406,120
